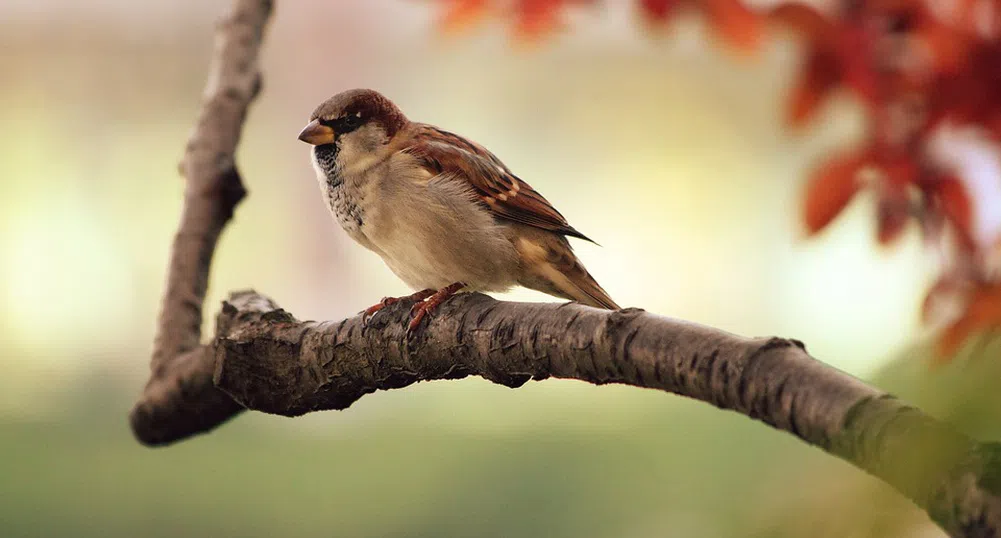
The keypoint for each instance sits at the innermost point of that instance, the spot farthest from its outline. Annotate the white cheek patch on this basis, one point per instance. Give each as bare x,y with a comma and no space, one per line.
325,181
320,174
312,159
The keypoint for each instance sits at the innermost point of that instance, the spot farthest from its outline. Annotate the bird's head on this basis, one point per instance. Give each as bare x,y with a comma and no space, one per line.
352,127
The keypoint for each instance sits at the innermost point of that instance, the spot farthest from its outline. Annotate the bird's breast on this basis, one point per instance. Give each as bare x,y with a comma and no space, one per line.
344,199
347,209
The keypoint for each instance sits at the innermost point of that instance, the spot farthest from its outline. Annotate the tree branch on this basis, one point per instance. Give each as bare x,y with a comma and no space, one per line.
213,189
262,358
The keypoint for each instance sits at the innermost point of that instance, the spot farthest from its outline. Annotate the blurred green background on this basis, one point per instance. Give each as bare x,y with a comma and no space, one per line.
668,151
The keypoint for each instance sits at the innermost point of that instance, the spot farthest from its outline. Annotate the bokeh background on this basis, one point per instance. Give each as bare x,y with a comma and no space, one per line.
669,151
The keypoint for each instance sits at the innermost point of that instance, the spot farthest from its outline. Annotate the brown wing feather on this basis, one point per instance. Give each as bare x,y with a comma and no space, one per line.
507,196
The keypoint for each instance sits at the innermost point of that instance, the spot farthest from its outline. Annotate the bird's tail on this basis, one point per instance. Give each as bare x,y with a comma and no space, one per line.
557,271
585,289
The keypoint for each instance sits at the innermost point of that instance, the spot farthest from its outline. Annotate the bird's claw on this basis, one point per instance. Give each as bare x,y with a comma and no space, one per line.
426,306
370,312
417,313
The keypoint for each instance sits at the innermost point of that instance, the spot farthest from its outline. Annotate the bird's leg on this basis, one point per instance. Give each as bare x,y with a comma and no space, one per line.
427,306
386,301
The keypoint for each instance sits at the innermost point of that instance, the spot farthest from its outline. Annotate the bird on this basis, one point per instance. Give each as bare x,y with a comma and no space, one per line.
443,212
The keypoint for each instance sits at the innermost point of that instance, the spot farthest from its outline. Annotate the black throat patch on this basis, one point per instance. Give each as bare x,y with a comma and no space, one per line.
326,158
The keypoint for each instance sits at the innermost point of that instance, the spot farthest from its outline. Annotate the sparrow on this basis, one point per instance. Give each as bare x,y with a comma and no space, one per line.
440,210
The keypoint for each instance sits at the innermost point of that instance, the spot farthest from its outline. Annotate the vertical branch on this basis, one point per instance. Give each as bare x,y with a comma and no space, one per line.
213,184
213,189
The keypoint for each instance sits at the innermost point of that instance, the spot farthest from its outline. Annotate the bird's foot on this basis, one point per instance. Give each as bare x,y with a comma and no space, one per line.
427,306
386,301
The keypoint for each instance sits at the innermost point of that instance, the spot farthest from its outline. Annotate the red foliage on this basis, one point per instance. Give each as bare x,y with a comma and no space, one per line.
658,10
831,187
914,71
461,14
835,53
731,20
982,312
537,17
532,19
953,203
737,25
916,66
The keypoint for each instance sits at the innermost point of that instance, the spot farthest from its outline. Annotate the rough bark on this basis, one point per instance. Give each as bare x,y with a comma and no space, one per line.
262,358
177,386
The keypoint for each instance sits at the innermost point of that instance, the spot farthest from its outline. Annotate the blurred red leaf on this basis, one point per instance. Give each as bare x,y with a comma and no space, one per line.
994,124
948,289
658,11
900,176
892,213
855,54
537,18
819,78
955,205
898,167
830,188
967,15
973,94
949,49
983,312
736,24
820,69
462,14
806,21
838,52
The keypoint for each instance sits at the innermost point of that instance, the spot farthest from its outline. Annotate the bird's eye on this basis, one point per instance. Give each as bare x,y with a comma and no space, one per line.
350,123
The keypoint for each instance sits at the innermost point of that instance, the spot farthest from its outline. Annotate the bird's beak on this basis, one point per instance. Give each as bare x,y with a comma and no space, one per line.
317,134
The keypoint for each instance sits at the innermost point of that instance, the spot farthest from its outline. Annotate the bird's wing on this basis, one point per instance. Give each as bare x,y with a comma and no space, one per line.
446,154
